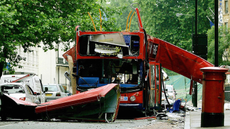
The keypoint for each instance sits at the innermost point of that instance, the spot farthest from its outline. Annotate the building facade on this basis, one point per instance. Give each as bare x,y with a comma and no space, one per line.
226,17
50,66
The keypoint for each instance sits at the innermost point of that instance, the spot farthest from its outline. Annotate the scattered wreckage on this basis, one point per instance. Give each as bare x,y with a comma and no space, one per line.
100,104
31,83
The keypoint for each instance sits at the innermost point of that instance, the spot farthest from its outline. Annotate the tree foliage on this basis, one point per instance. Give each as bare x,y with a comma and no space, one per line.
124,7
223,45
174,21
27,23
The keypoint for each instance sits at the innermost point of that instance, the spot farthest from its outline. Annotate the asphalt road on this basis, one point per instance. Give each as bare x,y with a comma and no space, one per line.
172,122
118,124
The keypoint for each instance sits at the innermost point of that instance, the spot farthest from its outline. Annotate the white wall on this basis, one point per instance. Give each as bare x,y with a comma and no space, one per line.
47,66
44,64
39,62
30,65
62,78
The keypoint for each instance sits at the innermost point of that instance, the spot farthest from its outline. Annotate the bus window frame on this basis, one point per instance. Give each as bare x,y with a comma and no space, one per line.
141,43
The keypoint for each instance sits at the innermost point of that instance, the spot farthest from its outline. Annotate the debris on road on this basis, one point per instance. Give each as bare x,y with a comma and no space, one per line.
142,118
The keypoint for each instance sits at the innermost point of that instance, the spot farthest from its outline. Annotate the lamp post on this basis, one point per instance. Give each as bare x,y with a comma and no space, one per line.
216,33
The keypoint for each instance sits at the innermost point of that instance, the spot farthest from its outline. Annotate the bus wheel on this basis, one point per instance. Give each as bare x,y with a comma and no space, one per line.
150,112
3,118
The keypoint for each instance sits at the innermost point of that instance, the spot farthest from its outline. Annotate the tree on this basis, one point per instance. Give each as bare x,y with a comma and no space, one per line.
27,23
124,7
174,21
223,45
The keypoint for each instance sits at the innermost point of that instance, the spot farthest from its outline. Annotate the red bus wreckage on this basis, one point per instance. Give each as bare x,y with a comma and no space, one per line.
100,104
131,60
134,61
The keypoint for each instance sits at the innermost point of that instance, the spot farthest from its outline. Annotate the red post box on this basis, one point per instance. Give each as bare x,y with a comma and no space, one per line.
213,96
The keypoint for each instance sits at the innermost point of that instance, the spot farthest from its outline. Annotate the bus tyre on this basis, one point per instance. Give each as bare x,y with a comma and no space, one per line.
150,112
3,117
3,114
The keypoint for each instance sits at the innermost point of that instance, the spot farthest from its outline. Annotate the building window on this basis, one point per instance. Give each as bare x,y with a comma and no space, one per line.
226,25
226,6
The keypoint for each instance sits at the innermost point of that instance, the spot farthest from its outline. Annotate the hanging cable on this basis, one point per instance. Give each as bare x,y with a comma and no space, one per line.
92,22
131,20
165,94
127,20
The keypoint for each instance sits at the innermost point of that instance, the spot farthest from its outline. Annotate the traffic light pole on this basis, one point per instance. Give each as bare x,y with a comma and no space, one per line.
194,95
216,33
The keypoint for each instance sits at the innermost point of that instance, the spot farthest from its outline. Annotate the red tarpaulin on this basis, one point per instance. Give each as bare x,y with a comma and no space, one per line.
97,104
177,59
77,99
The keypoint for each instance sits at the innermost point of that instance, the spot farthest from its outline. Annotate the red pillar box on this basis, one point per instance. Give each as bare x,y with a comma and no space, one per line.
213,96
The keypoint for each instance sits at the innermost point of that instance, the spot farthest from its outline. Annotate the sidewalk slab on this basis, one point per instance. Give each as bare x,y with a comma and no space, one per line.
193,120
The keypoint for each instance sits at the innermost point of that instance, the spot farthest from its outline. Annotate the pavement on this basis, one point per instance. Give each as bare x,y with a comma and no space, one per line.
193,120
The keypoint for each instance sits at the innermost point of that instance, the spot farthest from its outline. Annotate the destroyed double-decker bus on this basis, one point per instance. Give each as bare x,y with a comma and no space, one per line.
134,61
118,57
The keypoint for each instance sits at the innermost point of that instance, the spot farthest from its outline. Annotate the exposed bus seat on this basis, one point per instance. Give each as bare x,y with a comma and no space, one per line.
128,85
88,81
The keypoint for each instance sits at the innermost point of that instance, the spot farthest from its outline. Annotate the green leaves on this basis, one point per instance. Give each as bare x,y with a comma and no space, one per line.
26,23
223,45
174,21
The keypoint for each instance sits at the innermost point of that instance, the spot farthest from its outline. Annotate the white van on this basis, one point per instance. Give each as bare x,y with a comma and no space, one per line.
31,80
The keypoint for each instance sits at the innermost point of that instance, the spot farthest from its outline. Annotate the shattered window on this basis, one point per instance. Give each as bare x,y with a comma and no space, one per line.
115,44
110,70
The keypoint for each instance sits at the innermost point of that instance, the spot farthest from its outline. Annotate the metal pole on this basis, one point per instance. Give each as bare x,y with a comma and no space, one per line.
216,33
194,95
